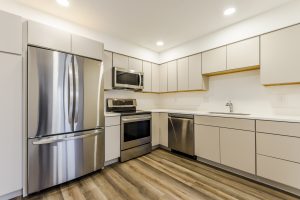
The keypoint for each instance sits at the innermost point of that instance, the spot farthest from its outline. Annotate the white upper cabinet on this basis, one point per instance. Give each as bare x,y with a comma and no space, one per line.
120,61
155,78
136,64
163,77
48,37
10,123
243,54
147,70
107,61
183,74
214,60
87,47
172,76
11,33
280,56
196,80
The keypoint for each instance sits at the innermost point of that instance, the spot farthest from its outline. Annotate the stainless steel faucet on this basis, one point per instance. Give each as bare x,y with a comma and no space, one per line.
230,106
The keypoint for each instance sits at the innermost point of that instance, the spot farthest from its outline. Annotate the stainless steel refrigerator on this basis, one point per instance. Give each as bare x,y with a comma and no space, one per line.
65,117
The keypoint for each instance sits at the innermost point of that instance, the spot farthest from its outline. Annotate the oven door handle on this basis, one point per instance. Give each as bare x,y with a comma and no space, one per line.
136,119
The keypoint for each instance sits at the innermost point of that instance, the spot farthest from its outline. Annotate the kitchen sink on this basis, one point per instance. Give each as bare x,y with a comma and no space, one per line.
228,113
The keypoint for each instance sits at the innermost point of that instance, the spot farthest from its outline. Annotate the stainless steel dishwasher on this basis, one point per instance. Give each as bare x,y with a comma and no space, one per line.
181,133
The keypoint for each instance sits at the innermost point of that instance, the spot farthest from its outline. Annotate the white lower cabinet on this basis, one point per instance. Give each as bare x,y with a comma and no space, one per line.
278,170
155,129
112,142
207,142
10,123
237,149
163,132
112,138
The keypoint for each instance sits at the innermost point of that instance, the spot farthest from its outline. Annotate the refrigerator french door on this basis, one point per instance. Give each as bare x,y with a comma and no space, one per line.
65,117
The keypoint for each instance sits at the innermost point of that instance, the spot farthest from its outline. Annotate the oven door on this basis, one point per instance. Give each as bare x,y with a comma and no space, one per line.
127,79
135,131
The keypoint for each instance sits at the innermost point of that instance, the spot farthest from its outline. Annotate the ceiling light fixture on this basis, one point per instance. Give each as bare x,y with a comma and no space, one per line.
64,3
159,43
229,11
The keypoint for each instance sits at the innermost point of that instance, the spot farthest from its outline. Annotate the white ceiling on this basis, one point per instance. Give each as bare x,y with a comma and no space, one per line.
143,22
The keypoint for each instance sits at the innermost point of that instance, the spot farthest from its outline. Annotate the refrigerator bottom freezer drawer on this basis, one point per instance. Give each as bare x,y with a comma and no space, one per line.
59,159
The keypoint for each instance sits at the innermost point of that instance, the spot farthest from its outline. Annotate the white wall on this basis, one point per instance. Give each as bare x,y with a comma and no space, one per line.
286,15
145,101
110,43
245,92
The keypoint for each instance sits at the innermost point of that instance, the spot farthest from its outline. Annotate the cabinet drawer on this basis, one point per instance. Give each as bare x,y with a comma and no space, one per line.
235,123
277,146
280,128
281,171
112,121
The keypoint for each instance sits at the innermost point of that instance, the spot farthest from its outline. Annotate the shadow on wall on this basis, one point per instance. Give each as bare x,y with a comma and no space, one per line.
244,90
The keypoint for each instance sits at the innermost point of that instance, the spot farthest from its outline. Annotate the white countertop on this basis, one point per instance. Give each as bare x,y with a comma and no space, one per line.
111,114
282,118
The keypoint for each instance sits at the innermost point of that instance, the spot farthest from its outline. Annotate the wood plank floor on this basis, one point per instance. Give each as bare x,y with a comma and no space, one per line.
160,175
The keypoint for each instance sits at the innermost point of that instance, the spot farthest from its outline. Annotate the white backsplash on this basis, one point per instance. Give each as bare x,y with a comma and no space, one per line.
245,92
243,89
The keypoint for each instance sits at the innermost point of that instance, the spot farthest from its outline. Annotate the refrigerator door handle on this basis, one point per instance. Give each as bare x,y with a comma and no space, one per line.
68,87
56,139
76,75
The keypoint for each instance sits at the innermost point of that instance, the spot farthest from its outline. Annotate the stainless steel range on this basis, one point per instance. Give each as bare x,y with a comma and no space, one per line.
135,128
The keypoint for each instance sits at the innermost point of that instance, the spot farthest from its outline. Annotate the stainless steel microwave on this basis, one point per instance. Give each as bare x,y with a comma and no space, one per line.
127,79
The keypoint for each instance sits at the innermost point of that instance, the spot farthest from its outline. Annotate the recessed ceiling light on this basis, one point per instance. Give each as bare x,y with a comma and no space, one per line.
64,3
159,43
229,11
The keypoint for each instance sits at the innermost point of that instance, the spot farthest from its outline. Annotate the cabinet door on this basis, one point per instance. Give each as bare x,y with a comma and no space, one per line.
172,76
280,56
163,77
196,80
155,78
183,74
238,149
147,70
10,123
11,33
56,39
163,132
214,60
243,54
87,47
112,142
120,61
107,70
155,129
207,142
136,64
